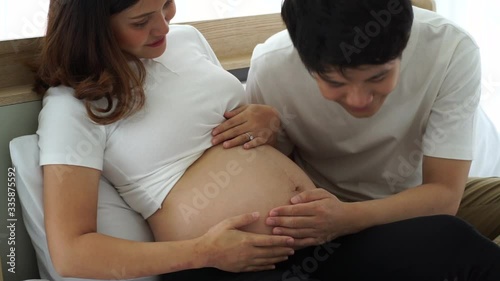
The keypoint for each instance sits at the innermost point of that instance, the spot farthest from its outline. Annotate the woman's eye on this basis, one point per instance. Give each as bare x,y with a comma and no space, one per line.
140,24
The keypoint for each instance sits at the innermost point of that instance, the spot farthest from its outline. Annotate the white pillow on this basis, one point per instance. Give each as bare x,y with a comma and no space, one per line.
114,216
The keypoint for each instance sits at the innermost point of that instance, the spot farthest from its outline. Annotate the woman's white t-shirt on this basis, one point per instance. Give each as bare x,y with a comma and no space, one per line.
144,155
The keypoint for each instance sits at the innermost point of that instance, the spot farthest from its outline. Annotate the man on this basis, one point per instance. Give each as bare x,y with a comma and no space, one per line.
377,102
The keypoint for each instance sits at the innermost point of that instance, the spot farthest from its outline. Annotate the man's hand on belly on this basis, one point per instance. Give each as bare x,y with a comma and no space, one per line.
315,217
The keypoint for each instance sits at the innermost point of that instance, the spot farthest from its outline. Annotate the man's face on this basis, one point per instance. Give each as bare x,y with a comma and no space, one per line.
360,91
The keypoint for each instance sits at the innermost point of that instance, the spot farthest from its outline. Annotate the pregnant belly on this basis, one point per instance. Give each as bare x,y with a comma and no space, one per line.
227,182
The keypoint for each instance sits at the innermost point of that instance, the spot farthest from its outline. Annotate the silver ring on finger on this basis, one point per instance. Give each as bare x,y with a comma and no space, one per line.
250,137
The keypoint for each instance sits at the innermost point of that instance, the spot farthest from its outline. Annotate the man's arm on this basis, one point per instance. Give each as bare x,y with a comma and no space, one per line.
440,193
317,216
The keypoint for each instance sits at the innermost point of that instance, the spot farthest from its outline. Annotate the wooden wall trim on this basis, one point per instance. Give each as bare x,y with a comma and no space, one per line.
232,40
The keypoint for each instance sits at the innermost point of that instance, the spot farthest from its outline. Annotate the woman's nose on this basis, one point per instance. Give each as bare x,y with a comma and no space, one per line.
161,27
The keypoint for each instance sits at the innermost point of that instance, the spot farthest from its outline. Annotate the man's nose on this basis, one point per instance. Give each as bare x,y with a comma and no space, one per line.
358,97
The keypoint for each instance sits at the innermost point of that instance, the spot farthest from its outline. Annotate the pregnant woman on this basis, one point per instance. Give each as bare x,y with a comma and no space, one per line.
109,80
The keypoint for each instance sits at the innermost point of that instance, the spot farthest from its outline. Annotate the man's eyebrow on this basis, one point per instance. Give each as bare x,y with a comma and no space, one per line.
329,79
141,16
381,73
333,80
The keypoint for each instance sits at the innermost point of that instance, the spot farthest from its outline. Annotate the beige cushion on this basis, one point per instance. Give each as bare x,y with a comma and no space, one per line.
425,4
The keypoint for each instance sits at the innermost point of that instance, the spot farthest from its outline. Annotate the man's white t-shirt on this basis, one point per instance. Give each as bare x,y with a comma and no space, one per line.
430,112
144,155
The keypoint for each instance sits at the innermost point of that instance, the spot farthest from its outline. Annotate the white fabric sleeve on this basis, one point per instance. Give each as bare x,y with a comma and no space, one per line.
255,95
236,100
209,52
66,133
450,129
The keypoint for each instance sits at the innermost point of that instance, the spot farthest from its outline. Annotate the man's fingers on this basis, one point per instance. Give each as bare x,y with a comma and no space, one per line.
310,196
299,210
293,221
299,233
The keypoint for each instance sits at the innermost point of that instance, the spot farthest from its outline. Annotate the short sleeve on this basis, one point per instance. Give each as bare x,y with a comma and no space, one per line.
450,129
66,135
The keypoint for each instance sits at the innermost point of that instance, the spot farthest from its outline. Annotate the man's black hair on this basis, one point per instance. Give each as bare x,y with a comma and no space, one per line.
339,34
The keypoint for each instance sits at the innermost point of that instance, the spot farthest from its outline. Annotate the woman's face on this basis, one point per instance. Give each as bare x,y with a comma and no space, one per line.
141,29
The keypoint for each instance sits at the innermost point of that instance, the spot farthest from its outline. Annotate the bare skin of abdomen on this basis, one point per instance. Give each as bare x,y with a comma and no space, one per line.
224,183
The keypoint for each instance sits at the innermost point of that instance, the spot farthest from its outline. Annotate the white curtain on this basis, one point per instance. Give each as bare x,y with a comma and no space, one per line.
482,20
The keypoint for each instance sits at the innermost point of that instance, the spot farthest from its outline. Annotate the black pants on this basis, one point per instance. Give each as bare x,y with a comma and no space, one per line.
435,248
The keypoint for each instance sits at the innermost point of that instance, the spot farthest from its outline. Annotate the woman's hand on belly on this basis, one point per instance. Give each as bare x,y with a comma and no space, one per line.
230,249
261,122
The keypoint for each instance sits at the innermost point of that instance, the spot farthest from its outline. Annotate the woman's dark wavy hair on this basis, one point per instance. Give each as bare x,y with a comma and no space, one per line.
80,51
324,32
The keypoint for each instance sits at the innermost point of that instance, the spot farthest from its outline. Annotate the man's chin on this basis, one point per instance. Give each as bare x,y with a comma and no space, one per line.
364,113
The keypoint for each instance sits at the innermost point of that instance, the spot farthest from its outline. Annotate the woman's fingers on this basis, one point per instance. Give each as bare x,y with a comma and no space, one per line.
269,261
251,126
264,240
231,114
258,268
228,130
234,250
241,220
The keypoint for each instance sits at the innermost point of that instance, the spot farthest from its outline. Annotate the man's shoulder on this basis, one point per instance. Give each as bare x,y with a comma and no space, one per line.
432,25
278,46
429,33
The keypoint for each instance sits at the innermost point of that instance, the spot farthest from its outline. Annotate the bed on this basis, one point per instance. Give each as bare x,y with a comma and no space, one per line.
21,221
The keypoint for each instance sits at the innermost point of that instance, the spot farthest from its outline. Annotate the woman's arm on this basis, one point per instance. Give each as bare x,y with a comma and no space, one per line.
77,250
70,206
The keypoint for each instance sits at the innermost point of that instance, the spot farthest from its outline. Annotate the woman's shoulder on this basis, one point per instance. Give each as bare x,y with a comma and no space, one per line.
184,31
185,41
62,96
60,101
